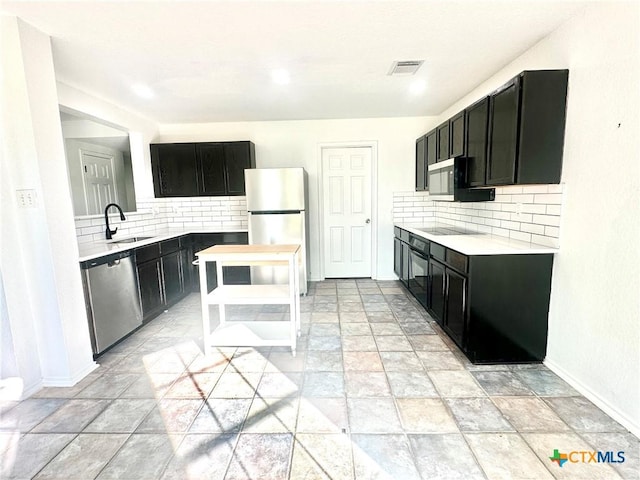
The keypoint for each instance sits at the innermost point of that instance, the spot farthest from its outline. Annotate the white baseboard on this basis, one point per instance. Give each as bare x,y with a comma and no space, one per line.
598,401
69,381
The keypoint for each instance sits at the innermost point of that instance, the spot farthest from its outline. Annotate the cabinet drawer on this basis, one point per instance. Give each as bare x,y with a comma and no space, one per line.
186,241
396,232
404,235
169,246
146,253
235,238
438,252
457,260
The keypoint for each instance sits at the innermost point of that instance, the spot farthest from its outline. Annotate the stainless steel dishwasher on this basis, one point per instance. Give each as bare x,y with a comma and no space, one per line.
111,296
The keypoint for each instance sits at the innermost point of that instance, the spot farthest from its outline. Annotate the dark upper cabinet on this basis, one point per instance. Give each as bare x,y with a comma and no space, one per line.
238,156
503,134
477,119
201,169
421,164
526,129
456,135
443,141
212,168
175,169
431,140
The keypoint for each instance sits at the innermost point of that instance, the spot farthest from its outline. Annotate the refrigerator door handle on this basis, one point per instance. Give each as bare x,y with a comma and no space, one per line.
275,212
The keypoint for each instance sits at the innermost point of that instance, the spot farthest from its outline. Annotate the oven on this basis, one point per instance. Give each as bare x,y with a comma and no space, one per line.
418,282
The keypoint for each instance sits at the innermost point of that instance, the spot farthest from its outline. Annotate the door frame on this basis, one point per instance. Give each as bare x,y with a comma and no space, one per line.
373,145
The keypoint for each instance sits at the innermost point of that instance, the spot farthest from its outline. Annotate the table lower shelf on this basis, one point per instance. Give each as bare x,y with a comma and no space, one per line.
253,334
249,294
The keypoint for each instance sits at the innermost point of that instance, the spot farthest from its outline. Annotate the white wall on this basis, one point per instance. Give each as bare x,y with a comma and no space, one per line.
44,299
141,131
297,144
594,318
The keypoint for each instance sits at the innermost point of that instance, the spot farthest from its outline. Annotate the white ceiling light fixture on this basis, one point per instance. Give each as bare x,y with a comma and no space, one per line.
143,91
402,68
280,76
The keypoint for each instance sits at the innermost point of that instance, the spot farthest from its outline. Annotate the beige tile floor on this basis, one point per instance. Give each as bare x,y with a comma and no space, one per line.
376,391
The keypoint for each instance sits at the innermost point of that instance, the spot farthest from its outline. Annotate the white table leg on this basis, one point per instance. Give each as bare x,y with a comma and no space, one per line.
206,324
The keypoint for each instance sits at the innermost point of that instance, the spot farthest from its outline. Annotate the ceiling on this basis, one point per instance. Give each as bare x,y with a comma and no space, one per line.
212,61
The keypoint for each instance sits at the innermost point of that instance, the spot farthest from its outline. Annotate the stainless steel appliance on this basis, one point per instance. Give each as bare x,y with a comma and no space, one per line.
277,208
448,183
111,295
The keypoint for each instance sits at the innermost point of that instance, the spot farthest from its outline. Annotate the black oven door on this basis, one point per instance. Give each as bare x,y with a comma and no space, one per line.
419,277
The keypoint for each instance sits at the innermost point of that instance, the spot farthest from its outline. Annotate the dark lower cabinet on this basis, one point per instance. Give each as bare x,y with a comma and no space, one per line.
240,275
172,276
161,276
150,282
456,305
494,307
437,290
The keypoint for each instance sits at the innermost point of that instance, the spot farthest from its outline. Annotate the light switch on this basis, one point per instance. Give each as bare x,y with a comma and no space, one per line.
27,198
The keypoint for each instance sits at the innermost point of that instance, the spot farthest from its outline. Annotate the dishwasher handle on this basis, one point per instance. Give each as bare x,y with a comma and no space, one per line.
111,260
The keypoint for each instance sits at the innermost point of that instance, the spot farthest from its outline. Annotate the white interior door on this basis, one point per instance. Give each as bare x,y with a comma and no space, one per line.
346,194
99,181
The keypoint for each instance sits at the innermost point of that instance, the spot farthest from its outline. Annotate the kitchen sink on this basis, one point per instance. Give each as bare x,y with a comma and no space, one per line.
130,240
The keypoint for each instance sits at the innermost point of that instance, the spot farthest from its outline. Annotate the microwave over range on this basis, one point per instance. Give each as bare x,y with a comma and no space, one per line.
448,183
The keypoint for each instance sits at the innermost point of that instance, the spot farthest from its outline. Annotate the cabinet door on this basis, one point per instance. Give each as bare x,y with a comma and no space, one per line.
456,135
404,272
174,169
456,303
421,164
238,156
150,281
212,171
476,144
503,134
173,285
443,142
431,140
437,276
397,257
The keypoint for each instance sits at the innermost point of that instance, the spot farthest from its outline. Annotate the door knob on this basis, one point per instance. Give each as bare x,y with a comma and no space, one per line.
368,220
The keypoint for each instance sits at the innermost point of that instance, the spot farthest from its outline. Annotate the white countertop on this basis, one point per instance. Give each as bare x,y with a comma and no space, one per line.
100,248
478,243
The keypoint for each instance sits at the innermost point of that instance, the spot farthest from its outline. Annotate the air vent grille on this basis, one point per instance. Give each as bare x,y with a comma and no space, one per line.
405,67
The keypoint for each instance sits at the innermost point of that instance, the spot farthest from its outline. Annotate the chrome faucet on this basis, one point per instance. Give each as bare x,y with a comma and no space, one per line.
110,232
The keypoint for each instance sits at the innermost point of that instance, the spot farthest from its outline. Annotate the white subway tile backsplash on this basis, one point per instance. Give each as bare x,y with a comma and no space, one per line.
532,228
529,213
535,189
161,213
553,198
547,220
554,209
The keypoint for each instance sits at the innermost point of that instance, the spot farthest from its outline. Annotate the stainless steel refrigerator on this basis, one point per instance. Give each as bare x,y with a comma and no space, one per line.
277,208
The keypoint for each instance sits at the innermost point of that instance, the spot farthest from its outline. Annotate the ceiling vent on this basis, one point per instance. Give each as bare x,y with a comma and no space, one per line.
406,67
